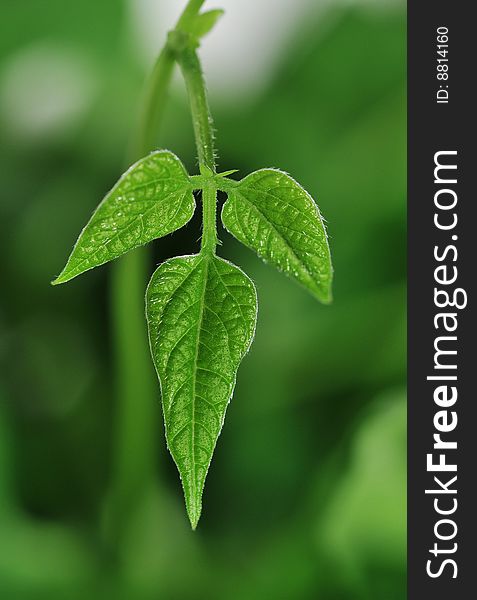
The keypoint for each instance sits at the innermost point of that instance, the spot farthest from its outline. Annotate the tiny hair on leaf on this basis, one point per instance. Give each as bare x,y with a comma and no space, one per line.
272,214
153,198
201,312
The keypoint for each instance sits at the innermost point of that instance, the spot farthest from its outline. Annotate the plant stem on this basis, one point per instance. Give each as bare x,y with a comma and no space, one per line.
190,11
136,408
136,418
209,217
156,94
204,139
136,414
199,106
154,104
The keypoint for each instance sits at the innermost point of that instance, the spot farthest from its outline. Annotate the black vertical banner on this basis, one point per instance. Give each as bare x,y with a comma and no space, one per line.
442,360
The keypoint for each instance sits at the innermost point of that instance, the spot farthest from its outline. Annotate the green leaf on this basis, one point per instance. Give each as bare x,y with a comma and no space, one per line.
271,213
201,312
153,198
203,23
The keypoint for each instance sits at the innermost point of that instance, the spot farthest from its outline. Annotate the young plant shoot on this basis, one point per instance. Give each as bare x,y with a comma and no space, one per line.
201,310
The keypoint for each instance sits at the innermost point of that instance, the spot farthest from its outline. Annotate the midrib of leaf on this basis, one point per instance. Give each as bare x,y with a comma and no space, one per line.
205,260
141,216
194,380
146,183
285,203
272,226
303,216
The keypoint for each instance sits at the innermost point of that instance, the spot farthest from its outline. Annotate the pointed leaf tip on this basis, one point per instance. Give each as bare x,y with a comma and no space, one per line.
201,313
194,515
272,214
152,199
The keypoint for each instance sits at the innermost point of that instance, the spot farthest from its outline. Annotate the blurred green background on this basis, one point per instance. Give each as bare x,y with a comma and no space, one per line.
305,498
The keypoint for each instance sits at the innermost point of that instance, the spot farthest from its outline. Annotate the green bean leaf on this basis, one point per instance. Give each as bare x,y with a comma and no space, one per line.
153,198
272,214
203,23
201,312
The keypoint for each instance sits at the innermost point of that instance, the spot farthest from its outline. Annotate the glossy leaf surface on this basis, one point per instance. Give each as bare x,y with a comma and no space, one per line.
271,213
153,198
201,312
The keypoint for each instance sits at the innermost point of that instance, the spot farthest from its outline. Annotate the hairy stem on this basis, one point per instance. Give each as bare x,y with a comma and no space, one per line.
156,93
199,106
209,217
204,138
